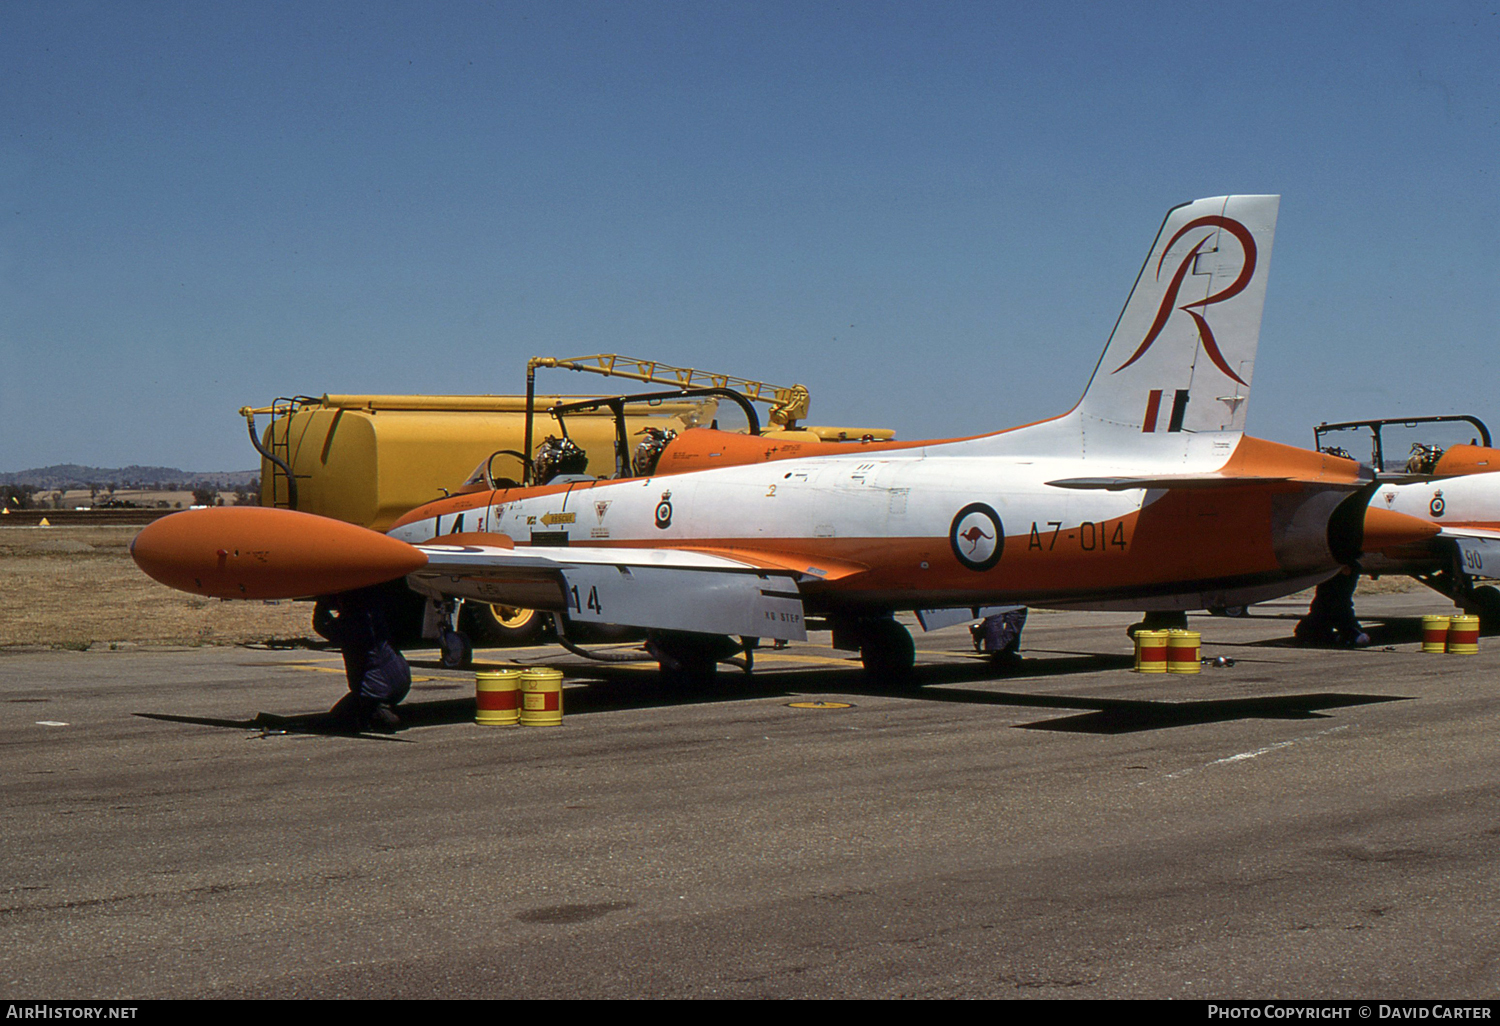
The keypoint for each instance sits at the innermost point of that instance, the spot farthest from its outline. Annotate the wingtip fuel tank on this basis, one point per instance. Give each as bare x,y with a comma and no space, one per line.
261,553
1387,530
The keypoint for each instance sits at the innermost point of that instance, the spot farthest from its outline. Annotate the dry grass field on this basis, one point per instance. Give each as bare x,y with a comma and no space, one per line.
76,498
72,587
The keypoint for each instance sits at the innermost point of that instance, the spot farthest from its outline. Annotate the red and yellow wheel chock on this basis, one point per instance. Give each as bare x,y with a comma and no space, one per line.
1174,651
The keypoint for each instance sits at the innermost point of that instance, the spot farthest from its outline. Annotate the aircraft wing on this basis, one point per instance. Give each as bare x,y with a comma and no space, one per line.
714,591
1478,550
1468,532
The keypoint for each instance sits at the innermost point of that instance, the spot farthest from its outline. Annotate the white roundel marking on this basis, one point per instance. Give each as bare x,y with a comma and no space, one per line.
977,537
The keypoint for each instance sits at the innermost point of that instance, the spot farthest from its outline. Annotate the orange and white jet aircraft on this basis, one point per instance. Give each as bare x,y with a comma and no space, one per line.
1457,489
1147,495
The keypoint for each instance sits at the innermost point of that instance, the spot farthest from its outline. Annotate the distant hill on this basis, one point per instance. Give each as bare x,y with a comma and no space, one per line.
71,475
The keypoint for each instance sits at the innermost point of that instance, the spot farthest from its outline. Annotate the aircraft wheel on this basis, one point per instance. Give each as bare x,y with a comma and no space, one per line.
694,675
1158,621
455,650
503,625
887,651
1486,602
689,661
1231,611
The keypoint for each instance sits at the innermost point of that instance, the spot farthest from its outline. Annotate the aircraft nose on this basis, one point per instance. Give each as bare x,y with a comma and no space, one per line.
259,553
1386,529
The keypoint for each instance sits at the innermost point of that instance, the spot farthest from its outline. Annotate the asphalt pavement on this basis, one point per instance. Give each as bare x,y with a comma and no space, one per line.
1304,823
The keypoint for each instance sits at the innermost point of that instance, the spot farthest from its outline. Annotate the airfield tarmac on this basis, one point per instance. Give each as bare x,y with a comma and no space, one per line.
1302,824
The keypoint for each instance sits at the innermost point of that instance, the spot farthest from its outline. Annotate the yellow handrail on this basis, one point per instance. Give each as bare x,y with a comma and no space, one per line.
788,404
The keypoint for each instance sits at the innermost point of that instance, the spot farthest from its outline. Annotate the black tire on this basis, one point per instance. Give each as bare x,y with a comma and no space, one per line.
690,662
1230,611
694,675
887,651
503,625
1159,621
1486,604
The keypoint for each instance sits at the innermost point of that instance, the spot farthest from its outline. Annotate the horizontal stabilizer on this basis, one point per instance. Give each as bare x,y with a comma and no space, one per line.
1120,484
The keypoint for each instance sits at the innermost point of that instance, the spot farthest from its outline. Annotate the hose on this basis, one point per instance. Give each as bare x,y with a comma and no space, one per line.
291,482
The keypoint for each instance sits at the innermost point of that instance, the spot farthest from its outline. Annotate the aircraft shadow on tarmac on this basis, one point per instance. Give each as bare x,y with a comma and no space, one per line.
1394,630
1113,716
617,688
1105,715
308,723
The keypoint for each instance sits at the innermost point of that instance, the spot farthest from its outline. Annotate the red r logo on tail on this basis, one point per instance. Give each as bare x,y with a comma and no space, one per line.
1210,346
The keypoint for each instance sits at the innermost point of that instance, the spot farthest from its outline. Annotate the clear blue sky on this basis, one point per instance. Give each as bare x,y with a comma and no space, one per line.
929,213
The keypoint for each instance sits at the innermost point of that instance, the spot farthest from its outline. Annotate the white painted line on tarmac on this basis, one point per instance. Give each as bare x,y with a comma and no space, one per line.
1253,755
1257,753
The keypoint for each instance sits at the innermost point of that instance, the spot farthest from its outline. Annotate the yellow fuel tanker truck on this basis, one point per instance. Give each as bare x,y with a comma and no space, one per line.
367,459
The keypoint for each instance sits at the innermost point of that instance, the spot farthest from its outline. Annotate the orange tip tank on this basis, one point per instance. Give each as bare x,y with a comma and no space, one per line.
252,552
1386,529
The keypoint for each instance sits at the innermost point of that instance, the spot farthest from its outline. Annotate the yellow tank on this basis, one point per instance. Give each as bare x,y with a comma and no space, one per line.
367,459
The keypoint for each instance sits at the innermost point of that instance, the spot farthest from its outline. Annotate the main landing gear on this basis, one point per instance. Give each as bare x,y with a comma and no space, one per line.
440,621
455,650
1482,601
503,625
885,648
1232,611
690,661
1485,604
1160,620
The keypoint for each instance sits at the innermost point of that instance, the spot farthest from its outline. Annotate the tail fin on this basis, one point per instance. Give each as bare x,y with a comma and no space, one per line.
1181,355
